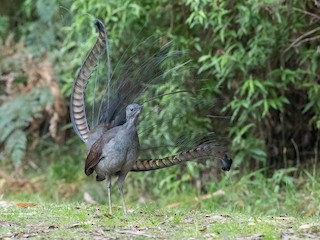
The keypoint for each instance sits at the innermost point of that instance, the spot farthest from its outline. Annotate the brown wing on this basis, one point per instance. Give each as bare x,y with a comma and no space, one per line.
94,156
95,153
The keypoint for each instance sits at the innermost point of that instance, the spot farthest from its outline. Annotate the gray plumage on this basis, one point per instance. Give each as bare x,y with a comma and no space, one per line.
113,152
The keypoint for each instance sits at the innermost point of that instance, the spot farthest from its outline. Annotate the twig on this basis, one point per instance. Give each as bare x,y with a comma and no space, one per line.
297,152
217,116
306,12
316,155
130,232
306,40
297,42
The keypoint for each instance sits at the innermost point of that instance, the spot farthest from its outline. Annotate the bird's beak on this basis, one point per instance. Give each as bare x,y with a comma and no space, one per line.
139,110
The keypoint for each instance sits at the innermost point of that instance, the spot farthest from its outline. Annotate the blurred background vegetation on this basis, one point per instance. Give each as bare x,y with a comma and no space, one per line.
257,59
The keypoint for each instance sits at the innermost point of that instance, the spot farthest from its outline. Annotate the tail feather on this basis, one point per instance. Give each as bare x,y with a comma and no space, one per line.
77,108
209,150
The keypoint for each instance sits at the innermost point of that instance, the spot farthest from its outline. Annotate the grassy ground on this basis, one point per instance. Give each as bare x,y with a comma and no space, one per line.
74,220
237,207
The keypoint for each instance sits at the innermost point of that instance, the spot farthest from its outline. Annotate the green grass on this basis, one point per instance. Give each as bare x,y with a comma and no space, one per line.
253,205
78,220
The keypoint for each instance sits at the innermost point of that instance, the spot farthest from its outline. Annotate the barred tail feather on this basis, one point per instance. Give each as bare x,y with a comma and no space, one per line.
209,150
77,106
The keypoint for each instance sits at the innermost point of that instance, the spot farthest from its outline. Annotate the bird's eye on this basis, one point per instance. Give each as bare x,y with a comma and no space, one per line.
131,109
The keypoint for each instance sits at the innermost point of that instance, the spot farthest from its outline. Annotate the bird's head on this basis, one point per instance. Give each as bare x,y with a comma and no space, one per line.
132,111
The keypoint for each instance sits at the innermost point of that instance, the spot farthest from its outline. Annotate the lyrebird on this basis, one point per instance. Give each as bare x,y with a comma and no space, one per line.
112,140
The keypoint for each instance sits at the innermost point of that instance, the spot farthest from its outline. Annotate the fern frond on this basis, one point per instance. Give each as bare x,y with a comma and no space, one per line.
16,144
16,115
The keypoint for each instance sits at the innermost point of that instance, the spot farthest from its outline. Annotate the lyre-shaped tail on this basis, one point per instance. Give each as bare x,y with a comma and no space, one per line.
204,151
77,107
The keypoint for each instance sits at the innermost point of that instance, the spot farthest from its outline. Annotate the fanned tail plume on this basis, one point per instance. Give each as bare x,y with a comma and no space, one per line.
130,85
77,104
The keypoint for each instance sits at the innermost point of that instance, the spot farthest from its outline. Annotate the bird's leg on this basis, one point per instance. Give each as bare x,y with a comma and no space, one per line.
108,180
120,182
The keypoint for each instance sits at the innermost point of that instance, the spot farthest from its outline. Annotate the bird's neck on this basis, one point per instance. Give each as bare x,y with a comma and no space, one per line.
131,123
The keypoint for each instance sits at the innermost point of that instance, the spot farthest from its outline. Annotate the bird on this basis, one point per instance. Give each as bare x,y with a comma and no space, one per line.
113,144
115,152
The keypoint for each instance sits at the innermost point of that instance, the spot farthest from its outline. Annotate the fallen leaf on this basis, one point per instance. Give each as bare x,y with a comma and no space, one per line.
135,233
216,218
211,195
285,218
309,226
78,225
108,215
52,227
210,236
311,213
188,220
87,198
25,204
253,221
173,205
203,228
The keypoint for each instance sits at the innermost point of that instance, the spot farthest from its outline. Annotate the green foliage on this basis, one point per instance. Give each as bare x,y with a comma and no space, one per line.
31,103
15,117
247,54
41,35
64,166
251,54
4,23
258,58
